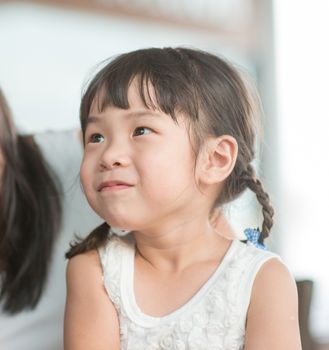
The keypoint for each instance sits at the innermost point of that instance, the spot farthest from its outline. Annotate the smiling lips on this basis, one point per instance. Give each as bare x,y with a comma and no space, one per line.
113,186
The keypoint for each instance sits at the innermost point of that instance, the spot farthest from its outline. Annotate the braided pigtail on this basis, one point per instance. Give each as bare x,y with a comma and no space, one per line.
94,240
253,183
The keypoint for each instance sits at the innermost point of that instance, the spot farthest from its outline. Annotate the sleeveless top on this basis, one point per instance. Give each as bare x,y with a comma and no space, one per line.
214,318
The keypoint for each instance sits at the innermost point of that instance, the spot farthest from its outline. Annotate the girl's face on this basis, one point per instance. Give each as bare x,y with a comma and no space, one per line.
138,170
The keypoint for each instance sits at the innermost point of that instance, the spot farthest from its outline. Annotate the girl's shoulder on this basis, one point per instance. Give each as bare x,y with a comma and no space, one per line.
273,277
111,250
246,265
252,256
270,272
274,305
268,293
86,271
84,276
83,267
86,301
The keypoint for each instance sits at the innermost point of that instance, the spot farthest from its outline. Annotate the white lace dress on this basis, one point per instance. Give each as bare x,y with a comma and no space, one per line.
214,318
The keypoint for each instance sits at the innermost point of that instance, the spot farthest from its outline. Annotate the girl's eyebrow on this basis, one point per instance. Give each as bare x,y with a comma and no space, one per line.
92,119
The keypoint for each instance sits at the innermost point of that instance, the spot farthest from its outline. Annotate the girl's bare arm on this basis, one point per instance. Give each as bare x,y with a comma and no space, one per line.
272,321
91,320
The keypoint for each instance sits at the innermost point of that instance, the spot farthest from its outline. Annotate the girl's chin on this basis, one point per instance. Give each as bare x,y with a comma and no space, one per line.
123,222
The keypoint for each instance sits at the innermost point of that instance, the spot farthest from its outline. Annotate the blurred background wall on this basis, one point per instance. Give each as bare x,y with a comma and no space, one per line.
302,75
48,49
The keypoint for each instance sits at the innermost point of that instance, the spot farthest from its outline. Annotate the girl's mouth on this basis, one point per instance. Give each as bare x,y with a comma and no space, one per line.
114,185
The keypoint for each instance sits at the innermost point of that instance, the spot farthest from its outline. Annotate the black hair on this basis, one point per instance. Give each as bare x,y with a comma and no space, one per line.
30,217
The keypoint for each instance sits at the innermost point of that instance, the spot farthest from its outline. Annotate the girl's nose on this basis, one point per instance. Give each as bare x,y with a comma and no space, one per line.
114,157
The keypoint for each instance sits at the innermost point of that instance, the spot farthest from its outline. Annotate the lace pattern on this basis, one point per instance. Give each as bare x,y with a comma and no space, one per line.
110,257
216,321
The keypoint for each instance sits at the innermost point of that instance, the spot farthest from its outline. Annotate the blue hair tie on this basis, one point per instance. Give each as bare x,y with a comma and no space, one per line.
253,236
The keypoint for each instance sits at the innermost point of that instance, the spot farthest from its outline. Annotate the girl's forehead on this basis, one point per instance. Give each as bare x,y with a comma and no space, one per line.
137,97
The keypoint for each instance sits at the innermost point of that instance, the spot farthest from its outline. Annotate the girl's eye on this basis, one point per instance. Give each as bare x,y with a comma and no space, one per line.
96,138
142,130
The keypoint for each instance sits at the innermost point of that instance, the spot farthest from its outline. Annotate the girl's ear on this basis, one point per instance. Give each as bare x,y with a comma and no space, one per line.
217,159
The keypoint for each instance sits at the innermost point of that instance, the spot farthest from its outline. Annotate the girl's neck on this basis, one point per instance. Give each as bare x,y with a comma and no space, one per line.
177,248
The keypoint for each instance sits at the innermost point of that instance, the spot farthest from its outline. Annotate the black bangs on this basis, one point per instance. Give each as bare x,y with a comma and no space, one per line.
164,81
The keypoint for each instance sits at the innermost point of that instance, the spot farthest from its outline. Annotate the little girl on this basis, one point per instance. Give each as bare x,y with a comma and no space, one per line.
169,136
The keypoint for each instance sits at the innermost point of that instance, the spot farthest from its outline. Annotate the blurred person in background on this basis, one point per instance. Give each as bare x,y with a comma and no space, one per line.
42,207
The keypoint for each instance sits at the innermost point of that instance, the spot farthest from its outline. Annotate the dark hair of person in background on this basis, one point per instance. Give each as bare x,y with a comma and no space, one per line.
30,217
208,90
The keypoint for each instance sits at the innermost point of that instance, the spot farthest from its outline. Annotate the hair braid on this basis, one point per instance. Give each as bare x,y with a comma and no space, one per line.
254,184
94,240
